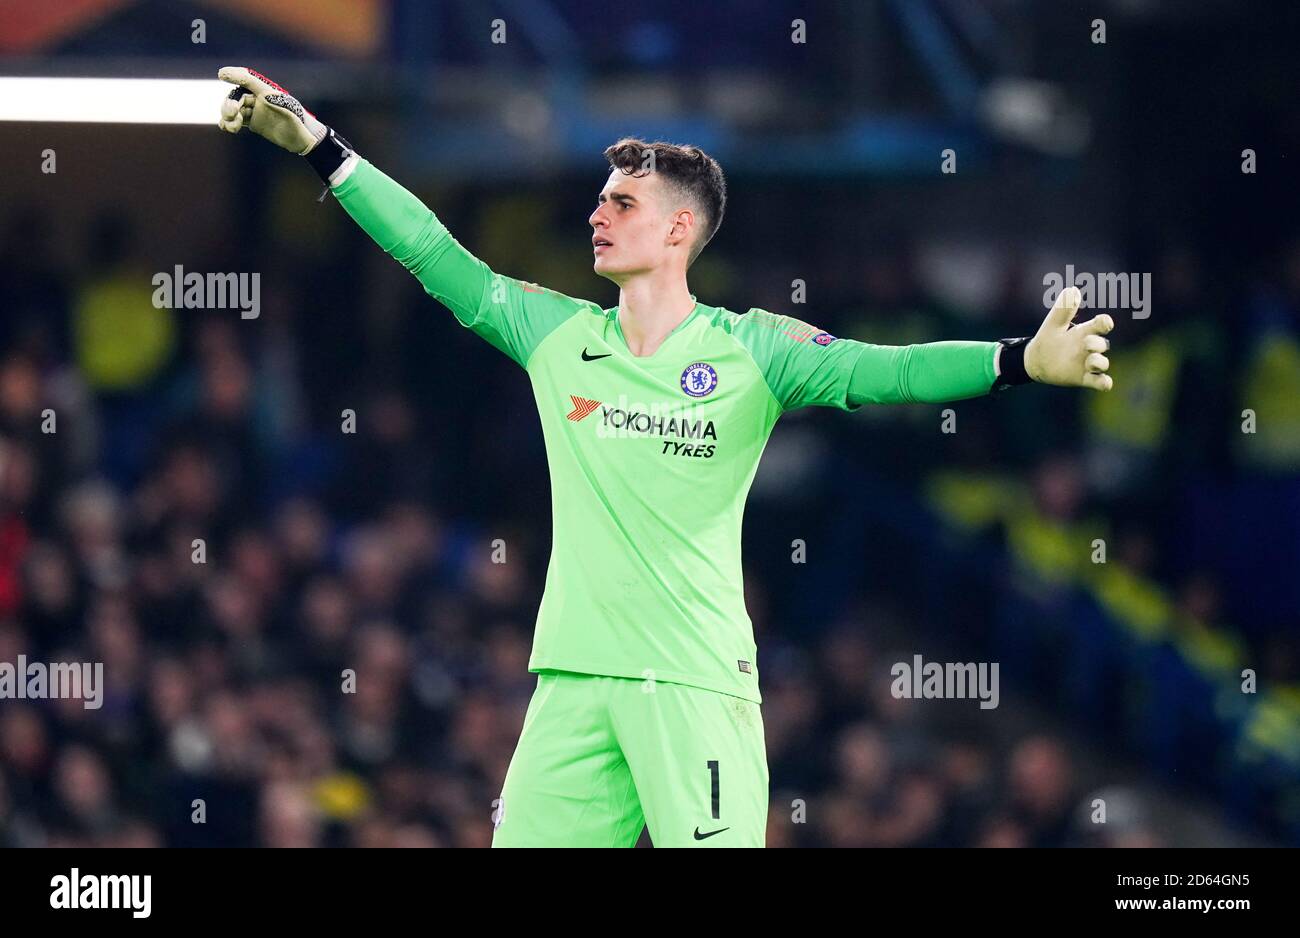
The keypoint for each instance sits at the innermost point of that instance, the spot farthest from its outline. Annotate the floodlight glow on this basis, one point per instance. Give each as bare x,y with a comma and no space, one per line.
112,100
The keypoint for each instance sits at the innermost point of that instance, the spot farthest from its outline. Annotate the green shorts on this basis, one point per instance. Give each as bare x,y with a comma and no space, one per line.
601,757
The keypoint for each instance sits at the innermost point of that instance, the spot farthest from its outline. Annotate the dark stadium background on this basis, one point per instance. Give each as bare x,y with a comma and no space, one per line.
373,551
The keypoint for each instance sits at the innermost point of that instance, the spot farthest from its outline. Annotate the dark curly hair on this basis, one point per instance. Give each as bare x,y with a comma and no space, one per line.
689,170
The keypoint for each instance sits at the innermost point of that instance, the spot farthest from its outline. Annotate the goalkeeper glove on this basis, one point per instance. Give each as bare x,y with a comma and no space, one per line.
269,111
1061,352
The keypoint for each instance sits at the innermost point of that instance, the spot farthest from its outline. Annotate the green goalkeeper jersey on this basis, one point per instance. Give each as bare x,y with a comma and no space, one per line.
651,457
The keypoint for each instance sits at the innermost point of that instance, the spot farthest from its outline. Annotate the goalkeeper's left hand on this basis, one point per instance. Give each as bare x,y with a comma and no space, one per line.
1067,354
269,111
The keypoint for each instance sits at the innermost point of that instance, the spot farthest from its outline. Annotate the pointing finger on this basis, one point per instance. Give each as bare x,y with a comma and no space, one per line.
235,74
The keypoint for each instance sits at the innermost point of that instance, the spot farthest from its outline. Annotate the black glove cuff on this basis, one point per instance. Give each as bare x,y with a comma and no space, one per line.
1011,365
328,155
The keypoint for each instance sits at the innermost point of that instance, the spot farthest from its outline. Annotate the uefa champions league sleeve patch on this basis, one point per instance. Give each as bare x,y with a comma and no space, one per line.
699,379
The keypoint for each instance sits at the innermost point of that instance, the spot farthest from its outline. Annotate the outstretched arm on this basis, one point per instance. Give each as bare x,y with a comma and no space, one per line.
804,366
1060,353
512,315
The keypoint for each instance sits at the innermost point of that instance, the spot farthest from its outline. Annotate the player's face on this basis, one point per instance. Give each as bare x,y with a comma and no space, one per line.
632,226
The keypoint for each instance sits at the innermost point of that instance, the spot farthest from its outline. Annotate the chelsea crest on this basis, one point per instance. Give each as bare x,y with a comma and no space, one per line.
699,379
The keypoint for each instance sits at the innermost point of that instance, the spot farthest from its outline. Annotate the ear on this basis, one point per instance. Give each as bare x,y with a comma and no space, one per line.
683,225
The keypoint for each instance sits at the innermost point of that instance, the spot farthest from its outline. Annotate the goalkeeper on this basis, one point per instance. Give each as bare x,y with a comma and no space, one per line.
654,414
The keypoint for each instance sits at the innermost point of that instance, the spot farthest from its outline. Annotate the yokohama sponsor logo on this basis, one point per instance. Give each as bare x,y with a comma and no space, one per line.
640,423
582,407
631,420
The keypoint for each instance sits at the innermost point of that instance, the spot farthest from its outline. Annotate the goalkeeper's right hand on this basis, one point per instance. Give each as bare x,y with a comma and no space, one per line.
268,110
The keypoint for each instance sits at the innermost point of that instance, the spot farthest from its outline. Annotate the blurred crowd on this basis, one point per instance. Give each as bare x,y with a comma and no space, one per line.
306,640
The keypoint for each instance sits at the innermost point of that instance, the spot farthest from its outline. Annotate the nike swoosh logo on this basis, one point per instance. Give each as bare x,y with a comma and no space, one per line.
592,358
699,836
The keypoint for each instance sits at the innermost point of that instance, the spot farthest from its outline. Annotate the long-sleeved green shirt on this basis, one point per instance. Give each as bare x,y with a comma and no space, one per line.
651,457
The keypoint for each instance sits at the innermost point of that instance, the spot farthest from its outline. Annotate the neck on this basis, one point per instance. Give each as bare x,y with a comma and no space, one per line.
650,306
